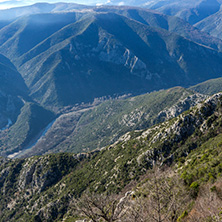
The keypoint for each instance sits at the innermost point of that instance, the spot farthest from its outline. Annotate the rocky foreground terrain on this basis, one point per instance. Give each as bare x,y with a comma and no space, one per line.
45,188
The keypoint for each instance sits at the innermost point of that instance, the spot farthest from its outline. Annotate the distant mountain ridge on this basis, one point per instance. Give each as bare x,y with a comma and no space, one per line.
130,64
170,23
191,11
211,24
38,8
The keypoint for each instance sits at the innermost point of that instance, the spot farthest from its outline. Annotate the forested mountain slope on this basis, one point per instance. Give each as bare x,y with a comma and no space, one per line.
68,67
12,89
104,124
208,87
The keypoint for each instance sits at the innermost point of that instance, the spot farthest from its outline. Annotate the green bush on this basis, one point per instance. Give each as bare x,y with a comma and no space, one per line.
194,187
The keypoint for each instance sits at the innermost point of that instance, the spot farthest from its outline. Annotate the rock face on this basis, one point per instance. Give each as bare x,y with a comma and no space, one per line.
39,173
181,106
32,177
180,129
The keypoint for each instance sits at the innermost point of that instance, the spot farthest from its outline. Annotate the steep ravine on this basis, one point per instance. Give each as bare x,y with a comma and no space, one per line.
32,143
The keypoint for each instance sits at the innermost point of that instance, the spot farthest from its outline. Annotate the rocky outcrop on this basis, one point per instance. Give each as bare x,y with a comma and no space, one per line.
39,173
4,171
110,50
181,106
163,137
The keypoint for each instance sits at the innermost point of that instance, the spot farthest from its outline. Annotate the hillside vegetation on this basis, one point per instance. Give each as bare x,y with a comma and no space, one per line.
104,124
32,119
44,188
209,87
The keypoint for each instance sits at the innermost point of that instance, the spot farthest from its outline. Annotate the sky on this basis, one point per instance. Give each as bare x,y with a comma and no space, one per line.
15,3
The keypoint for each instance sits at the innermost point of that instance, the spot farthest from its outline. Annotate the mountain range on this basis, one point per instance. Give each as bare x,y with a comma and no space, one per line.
148,59
60,66
111,112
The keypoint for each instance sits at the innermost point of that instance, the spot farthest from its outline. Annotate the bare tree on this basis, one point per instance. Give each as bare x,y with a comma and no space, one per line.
163,200
99,207
136,211
208,206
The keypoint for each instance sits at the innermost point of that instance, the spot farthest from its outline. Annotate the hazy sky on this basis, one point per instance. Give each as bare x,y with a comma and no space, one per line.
14,3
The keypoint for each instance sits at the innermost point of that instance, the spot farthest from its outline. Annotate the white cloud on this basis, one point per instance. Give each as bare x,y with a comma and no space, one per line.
16,3
104,3
121,3
4,4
